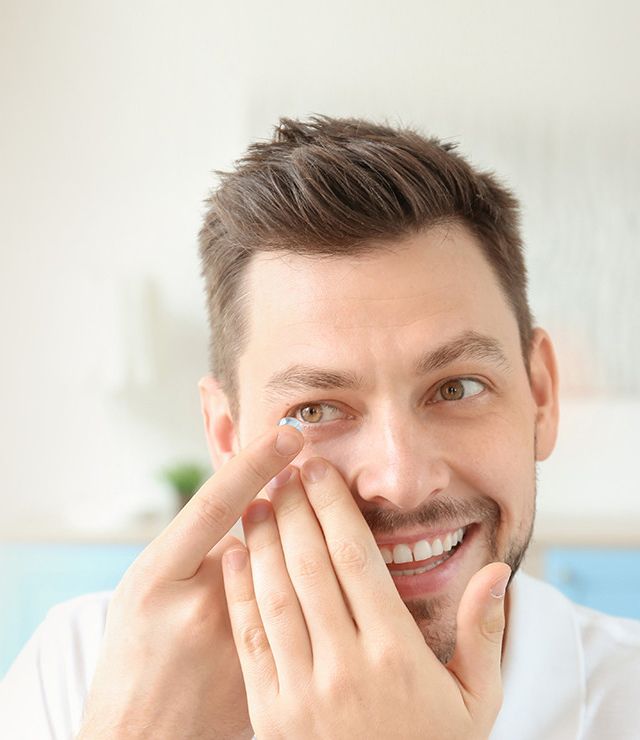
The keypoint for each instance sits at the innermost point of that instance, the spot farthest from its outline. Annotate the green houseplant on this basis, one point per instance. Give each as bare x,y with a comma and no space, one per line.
185,478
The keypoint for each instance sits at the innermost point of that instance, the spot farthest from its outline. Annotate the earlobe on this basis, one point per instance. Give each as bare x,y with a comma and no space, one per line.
544,390
219,428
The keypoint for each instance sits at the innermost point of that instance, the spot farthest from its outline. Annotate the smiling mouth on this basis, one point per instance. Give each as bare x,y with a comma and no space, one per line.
424,555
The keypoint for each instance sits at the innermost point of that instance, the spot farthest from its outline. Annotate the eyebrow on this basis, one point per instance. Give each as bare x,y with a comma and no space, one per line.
470,345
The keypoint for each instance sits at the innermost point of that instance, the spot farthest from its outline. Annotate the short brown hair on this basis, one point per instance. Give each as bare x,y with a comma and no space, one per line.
345,186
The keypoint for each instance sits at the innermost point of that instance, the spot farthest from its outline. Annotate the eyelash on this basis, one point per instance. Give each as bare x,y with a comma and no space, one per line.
292,412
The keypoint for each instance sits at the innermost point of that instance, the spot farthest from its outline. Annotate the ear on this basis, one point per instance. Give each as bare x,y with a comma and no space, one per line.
219,428
544,390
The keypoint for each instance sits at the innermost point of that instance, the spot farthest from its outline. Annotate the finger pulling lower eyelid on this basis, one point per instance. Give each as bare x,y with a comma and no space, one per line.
280,479
258,511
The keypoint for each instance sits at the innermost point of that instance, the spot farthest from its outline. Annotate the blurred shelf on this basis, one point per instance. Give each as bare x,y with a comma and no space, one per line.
132,535
588,531
140,534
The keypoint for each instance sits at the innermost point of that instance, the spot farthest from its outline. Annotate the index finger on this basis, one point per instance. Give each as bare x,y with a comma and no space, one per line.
367,585
177,552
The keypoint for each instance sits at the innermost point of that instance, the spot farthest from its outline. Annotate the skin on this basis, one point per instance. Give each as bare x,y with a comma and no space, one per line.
168,667
398,453
311,638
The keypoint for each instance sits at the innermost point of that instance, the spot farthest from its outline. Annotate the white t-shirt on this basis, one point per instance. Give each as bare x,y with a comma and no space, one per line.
568,672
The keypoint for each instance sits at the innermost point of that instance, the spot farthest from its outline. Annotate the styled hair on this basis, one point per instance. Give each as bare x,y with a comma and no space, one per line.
345,186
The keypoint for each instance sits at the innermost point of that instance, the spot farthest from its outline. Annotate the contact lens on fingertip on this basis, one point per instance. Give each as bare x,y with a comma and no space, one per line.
290,421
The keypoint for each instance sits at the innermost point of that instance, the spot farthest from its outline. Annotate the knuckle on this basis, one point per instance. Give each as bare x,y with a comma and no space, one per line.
350,555
338,685
256,472
275,605
258,544
254,640
392,660
290,505
309,567
215,512
493,627
194,623
324,498
243,595
138,592
386,657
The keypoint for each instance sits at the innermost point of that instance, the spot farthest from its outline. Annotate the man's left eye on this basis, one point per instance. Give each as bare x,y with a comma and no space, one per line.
312,413
454,390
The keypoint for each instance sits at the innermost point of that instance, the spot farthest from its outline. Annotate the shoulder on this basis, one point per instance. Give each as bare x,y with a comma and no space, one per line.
611,650
52,673
603,640
582,666
68,640
611,647
78,623
86,611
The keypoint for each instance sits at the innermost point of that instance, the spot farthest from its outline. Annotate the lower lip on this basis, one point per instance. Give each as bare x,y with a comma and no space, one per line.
438,578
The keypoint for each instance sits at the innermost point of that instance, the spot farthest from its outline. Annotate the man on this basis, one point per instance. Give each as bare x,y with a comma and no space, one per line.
366,286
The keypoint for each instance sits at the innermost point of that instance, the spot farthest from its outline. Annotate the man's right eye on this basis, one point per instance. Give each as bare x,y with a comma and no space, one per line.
314,413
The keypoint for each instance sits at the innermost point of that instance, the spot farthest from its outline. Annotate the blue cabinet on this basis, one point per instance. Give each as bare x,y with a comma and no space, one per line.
34,577
601,578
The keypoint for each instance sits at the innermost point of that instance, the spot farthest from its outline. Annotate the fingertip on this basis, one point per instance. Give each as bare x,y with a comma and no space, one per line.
499,586
236,557
289,440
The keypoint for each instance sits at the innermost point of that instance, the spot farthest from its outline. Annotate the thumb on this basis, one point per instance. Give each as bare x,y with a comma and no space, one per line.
480,629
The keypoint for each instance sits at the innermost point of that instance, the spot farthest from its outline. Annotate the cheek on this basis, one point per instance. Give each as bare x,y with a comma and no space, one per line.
501,466
496,448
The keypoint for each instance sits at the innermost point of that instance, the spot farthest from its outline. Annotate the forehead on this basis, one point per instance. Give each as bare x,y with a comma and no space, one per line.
386,304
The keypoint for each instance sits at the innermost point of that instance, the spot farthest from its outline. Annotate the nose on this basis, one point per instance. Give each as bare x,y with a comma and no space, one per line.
401,464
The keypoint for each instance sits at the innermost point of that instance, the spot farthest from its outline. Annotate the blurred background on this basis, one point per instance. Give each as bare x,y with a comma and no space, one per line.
114,116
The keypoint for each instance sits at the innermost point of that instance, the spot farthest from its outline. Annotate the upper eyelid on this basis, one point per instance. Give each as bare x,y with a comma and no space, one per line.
294,409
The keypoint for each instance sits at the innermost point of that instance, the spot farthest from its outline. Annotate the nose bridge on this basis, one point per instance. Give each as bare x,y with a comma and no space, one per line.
401,461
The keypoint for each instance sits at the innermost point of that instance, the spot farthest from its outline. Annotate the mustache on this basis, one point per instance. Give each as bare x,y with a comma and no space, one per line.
440,510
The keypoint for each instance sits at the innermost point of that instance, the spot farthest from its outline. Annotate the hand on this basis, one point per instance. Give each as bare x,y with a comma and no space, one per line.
326,645
168,667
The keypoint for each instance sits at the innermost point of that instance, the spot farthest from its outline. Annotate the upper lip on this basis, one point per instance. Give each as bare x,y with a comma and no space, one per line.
425,534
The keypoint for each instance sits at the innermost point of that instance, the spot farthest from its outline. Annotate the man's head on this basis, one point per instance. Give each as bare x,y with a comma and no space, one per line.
371,283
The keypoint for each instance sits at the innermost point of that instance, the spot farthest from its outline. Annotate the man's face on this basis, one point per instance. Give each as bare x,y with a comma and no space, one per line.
428,444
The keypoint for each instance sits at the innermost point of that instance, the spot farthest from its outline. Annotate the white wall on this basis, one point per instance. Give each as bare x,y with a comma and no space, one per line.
114,116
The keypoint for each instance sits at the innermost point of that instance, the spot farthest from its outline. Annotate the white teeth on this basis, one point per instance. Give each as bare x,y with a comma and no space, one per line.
417,571
421,550
402,554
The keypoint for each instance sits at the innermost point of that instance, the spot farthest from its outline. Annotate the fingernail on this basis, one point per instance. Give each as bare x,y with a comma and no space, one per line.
236,558
499,587
279,480
314,470
288,443
258,511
